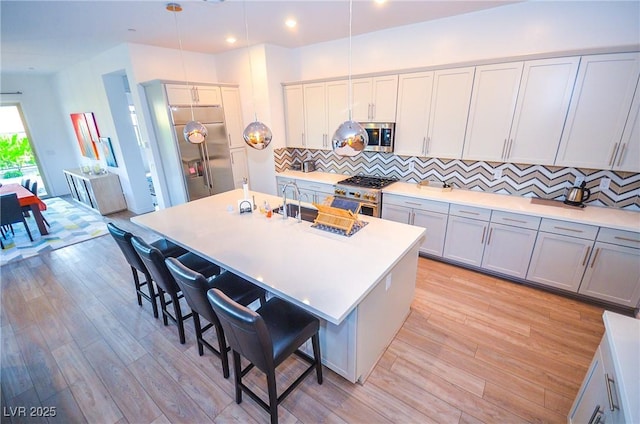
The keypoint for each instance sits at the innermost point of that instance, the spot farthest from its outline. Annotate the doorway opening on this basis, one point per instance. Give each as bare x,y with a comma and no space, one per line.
18,161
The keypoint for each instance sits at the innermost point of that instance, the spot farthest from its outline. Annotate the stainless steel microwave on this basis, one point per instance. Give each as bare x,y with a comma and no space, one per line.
381,136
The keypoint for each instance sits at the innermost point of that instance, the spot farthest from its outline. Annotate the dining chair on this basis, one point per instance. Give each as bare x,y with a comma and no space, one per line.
153,260
266,337
123,239
194,287
11,213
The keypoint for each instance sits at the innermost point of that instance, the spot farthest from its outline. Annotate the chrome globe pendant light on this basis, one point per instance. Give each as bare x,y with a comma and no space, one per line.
350,138
256,134
194,132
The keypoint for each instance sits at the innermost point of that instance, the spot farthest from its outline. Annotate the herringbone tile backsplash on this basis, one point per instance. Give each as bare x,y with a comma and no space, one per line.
548,182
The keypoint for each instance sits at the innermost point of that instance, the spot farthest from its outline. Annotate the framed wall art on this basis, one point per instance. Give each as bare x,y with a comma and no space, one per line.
106,148
86,130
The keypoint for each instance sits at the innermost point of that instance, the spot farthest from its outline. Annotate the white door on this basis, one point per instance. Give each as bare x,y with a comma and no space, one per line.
559,261
465,240
508,249
179,95
207,95
294,115
396,213
233,116
495,91
436,226
628,155
315,115
449,111
361,98
337,107
543,102
414,107
613,274
599,109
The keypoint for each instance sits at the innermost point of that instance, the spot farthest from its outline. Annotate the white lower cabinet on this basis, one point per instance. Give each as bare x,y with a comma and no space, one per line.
422,213
561,254
508,249
310,192
466,233
239,166
591,402
613,273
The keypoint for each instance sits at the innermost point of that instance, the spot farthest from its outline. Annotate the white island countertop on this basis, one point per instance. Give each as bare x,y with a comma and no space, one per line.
327,274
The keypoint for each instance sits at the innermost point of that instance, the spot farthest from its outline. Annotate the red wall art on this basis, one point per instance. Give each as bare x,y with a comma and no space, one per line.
86,130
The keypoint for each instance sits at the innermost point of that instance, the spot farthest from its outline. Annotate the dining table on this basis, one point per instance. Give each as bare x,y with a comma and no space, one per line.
27,198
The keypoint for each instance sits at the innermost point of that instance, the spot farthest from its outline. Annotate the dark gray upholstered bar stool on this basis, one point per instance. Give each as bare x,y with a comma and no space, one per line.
266,337
123,239
153,259
194,287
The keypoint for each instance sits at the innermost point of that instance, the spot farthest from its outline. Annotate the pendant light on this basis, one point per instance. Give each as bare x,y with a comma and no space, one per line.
350,138
256,134
194,132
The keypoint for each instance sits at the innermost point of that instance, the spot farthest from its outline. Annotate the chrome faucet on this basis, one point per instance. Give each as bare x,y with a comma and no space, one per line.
284,200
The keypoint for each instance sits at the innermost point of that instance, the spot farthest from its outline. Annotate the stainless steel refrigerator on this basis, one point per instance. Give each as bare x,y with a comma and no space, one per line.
206,167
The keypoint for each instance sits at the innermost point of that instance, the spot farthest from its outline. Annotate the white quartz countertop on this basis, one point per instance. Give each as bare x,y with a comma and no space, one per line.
592,215
327,274
623,335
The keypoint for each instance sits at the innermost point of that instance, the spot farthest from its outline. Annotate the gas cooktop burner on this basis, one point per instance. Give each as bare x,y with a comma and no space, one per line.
368,181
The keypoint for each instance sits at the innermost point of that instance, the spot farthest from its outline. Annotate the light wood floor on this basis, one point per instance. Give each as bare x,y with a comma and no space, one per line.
474,349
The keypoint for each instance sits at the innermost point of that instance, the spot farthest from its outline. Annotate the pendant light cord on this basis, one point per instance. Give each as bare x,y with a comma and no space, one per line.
184,68
350,87
246,29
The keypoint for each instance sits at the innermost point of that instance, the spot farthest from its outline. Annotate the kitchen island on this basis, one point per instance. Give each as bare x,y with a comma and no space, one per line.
361,287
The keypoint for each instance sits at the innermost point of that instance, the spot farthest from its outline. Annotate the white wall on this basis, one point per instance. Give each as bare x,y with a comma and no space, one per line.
520,29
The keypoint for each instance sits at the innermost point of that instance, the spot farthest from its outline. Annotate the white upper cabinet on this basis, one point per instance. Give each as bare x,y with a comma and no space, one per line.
326,106
495,91
449,112
432,112
414,108
374,99
233,116
599,110
294,115
627,157
543,101
197,95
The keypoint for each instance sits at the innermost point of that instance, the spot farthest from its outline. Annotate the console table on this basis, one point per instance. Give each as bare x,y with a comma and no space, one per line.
101,192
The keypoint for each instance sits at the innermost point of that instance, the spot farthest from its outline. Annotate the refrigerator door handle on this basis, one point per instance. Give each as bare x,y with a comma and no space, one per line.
207,167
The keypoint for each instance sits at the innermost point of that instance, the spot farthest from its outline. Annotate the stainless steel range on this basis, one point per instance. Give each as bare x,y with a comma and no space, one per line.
365,189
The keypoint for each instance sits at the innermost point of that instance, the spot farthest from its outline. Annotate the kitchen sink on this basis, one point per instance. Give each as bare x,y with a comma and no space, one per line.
308,214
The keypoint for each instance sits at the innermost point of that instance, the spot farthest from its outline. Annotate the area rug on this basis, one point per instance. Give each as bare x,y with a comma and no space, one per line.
70,224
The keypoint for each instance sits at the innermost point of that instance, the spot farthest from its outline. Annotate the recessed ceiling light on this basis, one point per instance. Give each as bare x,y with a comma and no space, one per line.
291,23
231,39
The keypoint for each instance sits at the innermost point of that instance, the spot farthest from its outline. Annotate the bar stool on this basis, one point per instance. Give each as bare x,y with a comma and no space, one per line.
266,337
123,239
194,287
153,259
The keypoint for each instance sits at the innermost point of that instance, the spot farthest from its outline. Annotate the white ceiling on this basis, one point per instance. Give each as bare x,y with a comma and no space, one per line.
48,35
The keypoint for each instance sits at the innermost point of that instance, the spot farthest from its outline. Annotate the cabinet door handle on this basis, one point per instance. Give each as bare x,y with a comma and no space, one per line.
413,203
621,155
303,141
626,239
424,146
613,154
568,229
373,111
595,257
504,147
610,380
470,212
509,148
229,138
413,217
426,152
586,256
489,238
596,414
519,221
484,230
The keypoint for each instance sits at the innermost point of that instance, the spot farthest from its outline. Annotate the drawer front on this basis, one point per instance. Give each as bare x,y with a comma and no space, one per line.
516,220
416,203
567,228
470,212
319,187
623,238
